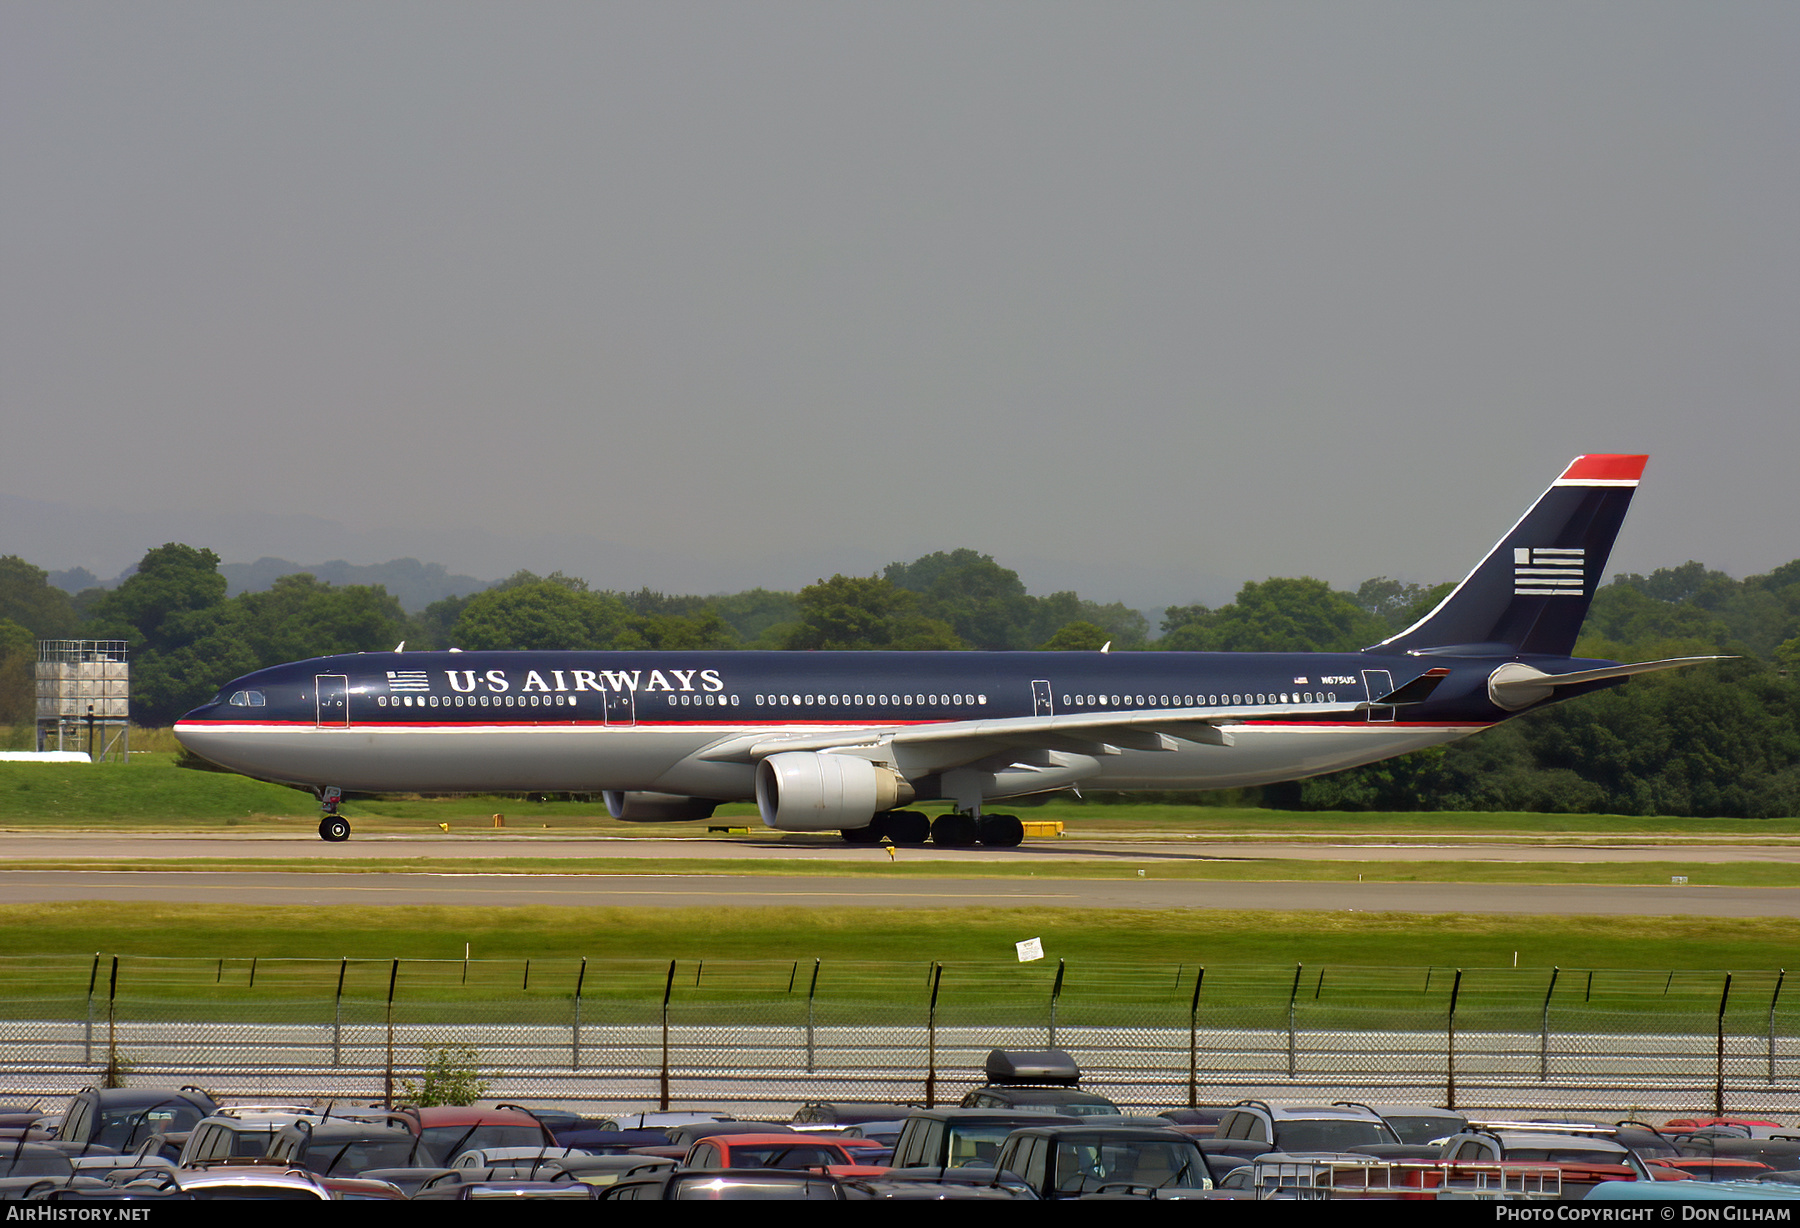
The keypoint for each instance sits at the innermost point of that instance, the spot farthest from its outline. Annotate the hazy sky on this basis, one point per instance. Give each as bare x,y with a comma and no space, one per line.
1143,299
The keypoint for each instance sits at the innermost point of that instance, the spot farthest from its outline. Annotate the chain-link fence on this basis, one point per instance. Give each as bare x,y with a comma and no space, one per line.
685,1032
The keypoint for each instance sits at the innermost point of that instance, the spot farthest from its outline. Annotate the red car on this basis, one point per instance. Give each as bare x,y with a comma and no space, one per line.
836,1156
1686,1125
446,1131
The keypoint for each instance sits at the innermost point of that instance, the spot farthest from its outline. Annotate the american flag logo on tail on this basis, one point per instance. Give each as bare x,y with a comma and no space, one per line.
408,680
1545,571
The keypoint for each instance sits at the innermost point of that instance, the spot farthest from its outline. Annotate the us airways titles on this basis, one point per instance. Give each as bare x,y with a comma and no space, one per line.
496,681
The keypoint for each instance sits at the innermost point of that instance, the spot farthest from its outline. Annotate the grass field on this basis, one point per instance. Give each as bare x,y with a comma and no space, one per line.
151,793
973,935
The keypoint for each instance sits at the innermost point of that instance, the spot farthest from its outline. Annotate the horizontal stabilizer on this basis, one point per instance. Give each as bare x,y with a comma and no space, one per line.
1515,685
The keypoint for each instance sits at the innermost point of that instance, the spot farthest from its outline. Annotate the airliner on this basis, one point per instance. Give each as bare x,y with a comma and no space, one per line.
845,741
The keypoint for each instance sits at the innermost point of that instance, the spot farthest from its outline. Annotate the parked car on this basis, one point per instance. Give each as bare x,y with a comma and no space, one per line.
446,1131
1685,1125
1777,1153
1692,1191
1583,1159
514,1157
1714,1168
1067,1101
837,1156
895,1188
834,1114
739,1185
1257,1127
238,1131
953,1138
664,1121
1200,1120
263,1185
482,1185
119,1118
1069,1161
607,1170
1036,1079
1415,1123
341,1148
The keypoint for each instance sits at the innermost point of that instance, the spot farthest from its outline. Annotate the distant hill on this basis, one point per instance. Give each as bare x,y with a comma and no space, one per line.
416,584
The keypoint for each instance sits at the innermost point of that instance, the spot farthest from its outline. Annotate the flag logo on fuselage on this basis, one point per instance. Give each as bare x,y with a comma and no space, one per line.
408,680
1546,571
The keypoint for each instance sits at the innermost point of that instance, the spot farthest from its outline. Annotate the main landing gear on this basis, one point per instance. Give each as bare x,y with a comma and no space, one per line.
334,828
955,830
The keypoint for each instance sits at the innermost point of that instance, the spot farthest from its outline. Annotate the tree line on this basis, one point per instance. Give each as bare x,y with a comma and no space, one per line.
1714,740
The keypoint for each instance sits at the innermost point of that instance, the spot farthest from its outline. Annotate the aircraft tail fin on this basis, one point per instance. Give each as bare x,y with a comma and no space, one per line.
1532,591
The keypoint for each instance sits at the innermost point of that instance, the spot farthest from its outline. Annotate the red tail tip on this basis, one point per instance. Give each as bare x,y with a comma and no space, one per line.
1605,468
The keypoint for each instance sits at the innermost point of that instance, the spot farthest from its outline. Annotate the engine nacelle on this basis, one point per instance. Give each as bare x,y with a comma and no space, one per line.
800,791
657,807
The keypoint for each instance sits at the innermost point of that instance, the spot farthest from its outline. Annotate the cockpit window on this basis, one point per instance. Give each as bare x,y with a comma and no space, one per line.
248,699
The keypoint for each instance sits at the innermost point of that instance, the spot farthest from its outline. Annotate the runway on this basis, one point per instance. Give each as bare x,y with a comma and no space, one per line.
770,891
159,846
443,885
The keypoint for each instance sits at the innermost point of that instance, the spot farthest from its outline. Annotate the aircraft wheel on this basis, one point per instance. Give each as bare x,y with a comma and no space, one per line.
861,835
334,828
1003,831
953,830
908,827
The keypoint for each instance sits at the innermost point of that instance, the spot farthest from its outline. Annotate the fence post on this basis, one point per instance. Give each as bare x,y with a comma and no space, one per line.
113,1073
1450,1046
87,1043
1780,976
1055,1000
668,989
1293,992
1719,1075
812,997
937,977
337,1015
1544,1029
1194,1040
387,1093
575,1031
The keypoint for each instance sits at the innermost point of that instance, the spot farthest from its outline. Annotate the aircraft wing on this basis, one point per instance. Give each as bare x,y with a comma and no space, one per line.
953,744
957,743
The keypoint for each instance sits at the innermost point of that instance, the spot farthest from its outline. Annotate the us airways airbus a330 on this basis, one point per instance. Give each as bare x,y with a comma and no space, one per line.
843,741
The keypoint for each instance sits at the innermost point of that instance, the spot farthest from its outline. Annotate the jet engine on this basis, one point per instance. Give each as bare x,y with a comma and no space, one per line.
801,791
656,807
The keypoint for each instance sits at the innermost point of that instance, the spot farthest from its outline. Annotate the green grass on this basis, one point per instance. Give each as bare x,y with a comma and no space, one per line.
151,793
1175,936
1357,970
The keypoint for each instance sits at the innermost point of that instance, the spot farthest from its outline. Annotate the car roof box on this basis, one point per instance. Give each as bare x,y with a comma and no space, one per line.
1041,1066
